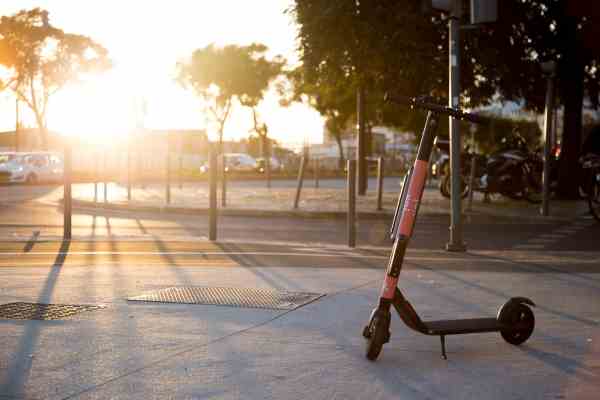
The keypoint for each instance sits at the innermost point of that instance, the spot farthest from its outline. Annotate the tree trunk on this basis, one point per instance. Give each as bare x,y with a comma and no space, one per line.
220,146
571,79
341,161
369,140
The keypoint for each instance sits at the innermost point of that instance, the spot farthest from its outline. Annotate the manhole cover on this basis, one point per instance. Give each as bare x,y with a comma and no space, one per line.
42,312
235,297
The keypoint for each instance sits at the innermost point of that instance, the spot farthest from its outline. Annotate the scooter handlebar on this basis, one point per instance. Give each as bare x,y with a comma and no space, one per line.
424,104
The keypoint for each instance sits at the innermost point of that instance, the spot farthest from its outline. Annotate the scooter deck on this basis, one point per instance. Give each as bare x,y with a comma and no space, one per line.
462,326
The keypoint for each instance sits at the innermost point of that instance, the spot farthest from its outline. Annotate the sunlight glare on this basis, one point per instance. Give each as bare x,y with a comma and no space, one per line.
145,48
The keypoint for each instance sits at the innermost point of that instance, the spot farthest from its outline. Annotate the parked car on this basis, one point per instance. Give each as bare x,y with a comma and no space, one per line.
274,164
32,167
235,162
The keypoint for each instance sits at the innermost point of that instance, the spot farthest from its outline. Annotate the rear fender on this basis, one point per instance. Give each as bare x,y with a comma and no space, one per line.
504,310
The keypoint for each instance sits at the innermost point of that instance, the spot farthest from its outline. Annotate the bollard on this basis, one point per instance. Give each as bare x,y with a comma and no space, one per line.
300,180
212,179
67,194
268,171
316,172
351,220
223,165
379,183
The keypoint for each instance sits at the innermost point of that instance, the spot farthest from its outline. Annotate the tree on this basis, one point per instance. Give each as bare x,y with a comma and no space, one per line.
263,73
335,101
39,59
390,45
535,31
336,125
219,76
370,47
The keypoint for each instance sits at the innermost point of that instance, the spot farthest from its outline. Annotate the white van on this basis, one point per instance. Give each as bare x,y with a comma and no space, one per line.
30,167
239,162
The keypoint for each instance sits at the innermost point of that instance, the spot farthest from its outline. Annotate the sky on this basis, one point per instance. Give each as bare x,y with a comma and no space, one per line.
145,39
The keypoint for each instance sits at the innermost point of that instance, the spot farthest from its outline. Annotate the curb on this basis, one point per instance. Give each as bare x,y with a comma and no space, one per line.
229,212
386,215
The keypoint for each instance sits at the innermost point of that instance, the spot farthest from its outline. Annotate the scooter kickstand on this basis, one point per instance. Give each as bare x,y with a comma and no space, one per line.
443,342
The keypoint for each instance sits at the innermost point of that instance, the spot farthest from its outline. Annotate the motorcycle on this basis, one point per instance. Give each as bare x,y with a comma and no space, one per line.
514,172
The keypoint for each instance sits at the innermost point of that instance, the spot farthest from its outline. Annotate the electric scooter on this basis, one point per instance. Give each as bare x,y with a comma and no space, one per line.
515,320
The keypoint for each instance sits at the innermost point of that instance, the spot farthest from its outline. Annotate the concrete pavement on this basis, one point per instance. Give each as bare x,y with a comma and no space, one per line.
175,351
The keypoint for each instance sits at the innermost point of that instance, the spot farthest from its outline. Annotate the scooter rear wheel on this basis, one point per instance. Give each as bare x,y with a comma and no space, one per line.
520,321
377,334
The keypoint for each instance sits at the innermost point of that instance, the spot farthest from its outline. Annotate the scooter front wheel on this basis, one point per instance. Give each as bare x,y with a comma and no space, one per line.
446,187
377,334
520,323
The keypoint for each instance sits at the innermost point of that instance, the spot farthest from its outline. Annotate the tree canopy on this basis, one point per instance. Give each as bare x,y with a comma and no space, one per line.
391,45
222,75
38,59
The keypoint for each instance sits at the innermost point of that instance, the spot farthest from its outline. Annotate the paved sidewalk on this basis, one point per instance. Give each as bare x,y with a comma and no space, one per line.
179,351
245,199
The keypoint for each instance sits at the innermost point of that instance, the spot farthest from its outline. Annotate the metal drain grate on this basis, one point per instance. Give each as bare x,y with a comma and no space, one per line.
42,312
235,297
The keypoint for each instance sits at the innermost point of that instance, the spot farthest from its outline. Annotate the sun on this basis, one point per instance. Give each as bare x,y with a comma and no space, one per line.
97,111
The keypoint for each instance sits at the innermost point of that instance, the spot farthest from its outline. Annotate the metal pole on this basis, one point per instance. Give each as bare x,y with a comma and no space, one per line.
139,168
379,183
104,179
268,162
317,172
361,145
351,221
67,196
212,212
168,180
300,180
472,173
456,235
548,128
129,169
97,161
223,180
